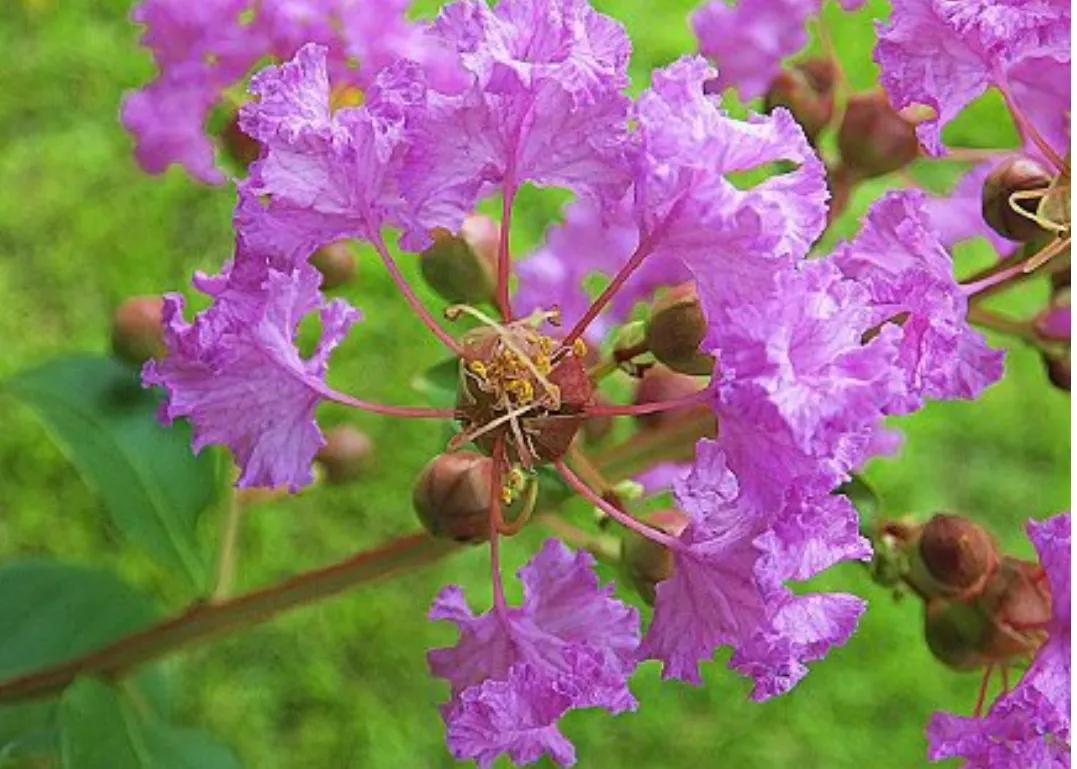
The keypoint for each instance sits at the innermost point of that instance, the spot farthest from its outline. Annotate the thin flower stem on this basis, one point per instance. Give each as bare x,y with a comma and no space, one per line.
629,267
412,299
674,442
620,516
617,410
1028,130
203,621
996,280
228,553
495,527
504,258
407,412
589,474
982,695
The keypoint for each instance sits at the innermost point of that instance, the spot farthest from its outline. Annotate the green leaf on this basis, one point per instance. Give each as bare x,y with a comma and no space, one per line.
102,728
151,484
864,498
439,383
51,612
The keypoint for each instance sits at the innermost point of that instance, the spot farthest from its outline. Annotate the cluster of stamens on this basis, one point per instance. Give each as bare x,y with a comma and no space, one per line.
519,385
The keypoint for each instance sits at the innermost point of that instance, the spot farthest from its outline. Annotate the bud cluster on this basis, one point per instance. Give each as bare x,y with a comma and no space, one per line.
980,607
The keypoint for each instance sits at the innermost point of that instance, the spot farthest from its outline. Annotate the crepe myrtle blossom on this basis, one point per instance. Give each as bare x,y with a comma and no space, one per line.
944,53
749,39
202,50
1030,725
810,354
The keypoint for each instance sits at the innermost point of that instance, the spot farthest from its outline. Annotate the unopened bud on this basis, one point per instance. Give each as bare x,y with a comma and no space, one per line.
645,561
452,496
807,91
1017,174
874,139
463,268
1053,323
676,328
137,334
238,146
958,554
345,455
659,384
336,263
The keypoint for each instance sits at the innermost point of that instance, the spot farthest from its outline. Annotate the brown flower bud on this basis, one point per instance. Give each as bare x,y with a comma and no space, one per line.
336,263
345,455
1017,174
660,383
463,268
958,554
676,328
646,562
874,139
452,496
238,146
807,91
137,334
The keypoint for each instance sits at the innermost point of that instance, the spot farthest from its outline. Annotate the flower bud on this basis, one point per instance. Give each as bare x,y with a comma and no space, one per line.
345,455
463,268
645,561
874,139
676,328
958,554
336,263
238,146
662,384
1017,174
452,496
1053,322
807,91
137,334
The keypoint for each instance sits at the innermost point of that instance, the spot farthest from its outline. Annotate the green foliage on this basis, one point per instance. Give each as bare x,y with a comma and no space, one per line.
101,728
51,612
152,486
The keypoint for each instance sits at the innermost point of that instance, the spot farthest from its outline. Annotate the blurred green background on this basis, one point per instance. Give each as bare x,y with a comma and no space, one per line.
344,683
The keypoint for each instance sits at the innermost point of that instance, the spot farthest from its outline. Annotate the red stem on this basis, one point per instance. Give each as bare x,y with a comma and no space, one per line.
412,299
504,259
1028,130
620,516
408,412
629,267
495,527
618,410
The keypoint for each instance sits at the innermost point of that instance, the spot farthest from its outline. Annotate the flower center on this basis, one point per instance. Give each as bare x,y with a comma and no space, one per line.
516,385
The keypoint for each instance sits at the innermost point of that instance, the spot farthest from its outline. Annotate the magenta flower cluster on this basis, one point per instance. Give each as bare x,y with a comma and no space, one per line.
811,354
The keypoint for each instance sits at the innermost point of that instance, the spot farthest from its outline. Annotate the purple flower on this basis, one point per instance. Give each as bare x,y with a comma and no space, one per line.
748,41
545,105
201,49
516,670
237,375
327,175
909,275
945,53
727,585
733,240
1030,725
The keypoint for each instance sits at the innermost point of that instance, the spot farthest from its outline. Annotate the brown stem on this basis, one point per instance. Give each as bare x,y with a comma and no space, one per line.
981,316
203,621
